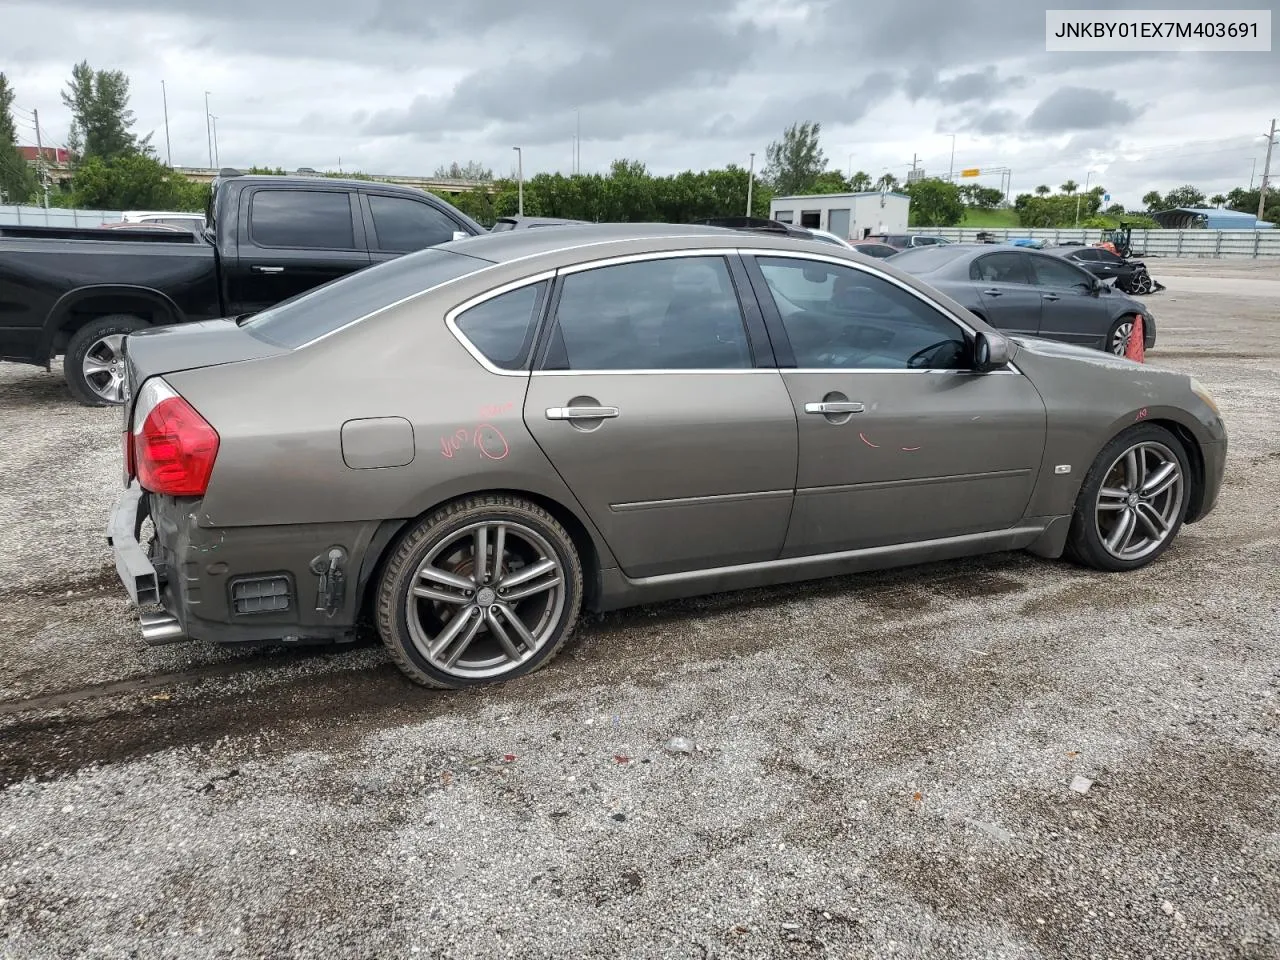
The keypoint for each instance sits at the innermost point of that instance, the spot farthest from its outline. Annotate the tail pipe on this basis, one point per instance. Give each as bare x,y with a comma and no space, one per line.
161,628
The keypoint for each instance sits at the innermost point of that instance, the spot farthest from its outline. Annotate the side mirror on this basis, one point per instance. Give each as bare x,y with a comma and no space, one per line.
460,234
990,352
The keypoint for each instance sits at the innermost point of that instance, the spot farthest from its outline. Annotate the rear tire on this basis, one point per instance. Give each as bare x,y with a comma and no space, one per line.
1118,335
483,590
1132,502
93,363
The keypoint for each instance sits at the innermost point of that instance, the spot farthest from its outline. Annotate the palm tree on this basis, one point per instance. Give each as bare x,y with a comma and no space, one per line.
1152,200
860,182
1043,190
1069,187
1217,199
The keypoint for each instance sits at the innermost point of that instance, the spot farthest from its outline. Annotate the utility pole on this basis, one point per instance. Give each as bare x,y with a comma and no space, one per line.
215,141
951,171
751,175
1266,170
520,178
1253,169
208,130
914,158
168,150
44,181
577,141
1079,196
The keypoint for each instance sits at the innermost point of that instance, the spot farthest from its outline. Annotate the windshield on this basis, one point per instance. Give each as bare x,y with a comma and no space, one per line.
928,258
328,308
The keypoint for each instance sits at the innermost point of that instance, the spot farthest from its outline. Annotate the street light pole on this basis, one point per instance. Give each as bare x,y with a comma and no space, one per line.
1080,196
751,175
168,150
208,130
216,161
520,178
1266,171
951,171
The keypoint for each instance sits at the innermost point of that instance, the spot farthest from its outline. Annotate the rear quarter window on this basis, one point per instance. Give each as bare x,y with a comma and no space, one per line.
325,309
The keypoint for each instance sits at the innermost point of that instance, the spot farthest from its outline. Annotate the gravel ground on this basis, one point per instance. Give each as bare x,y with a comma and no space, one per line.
881,765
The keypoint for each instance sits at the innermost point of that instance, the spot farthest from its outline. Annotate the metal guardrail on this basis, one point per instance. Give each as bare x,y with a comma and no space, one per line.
1211,244
24,216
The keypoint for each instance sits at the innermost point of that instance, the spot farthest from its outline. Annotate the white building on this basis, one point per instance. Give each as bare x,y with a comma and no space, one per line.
848,215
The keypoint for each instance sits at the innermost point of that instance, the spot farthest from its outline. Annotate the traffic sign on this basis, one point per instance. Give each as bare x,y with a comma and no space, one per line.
1106,198
971,172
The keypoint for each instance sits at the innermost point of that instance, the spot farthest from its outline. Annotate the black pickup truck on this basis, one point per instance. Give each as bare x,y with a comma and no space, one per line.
78,292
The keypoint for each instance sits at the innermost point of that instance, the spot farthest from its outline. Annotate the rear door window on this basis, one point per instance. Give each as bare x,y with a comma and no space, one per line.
1052,272
676,314
501,328
1000,268
302,219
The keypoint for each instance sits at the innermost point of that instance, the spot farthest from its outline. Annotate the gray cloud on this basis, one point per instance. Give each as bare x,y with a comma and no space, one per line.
1080,108
985,84
989,123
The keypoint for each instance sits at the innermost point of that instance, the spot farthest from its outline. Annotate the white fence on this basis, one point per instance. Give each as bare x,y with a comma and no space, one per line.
14,215
1148,243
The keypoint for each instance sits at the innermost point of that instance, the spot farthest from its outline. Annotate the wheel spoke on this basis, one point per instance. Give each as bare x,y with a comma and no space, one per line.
1110,498
529,590
93,366
531,572
1160,480
460,622
440,596
499,548
1120,534
1134,468
500,633
468,635
1151,519
480,561
516,624
445,577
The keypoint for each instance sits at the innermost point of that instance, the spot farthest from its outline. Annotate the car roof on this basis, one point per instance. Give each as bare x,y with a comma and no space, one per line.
510,245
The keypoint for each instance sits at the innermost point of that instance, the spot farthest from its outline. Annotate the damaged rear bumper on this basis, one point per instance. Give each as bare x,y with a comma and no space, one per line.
142,581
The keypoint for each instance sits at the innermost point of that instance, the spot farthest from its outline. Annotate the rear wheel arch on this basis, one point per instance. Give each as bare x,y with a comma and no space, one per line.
86,304
390,533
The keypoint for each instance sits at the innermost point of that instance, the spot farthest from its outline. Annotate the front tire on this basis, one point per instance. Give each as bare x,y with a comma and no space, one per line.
485,589
1118,336
1132,502
93,363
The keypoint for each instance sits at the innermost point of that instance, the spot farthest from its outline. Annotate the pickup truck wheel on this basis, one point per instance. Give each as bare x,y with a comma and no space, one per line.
93,364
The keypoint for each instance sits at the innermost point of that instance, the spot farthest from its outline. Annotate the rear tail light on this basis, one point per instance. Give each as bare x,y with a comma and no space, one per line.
173,447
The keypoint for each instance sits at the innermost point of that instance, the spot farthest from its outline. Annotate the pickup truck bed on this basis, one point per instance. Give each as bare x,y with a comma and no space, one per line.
78,292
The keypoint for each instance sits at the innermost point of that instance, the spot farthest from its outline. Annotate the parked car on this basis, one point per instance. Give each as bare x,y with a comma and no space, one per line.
827,236
1031,293
457,443
903,241
524,223
1129,276
185,220
880,251
777,227
78,292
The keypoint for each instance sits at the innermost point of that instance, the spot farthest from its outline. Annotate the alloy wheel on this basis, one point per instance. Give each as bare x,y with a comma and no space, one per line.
1140,501
103,367
1120,338
485,599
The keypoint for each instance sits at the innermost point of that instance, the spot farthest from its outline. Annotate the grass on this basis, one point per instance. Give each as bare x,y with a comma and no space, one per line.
989,218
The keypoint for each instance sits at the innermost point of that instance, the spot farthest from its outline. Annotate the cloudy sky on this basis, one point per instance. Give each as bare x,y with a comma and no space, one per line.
408,85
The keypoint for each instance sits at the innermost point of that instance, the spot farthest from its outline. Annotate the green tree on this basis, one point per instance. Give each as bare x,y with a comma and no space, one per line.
984,198
1218,200
134,181
830,181
471,170
860,182
1246,201
1152,200
1043,190
1069,187
17,179
99,105
1184,196
1116,209
934,203
887,183
794,162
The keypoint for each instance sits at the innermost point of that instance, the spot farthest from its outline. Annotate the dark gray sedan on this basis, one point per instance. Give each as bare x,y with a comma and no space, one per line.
1030,293
469,444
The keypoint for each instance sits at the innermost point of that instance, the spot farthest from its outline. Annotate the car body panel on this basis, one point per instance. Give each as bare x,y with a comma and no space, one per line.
704,466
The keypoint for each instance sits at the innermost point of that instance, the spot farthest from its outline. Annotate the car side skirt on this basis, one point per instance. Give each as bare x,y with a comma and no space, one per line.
1044,536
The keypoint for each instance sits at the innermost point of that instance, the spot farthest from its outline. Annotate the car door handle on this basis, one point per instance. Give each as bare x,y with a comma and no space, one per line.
259,268
582,413
1051,296
830,407
993,292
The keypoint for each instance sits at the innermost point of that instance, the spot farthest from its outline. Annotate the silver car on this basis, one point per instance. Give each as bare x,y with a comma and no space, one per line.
471,443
